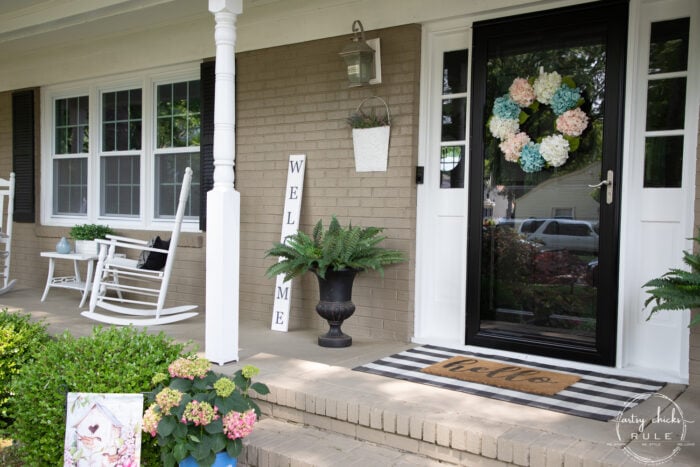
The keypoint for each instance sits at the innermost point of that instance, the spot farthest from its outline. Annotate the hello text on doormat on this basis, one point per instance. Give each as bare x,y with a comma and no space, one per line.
503,375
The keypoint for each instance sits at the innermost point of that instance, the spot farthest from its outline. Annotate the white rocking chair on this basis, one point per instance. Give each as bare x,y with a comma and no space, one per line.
119,275
7,198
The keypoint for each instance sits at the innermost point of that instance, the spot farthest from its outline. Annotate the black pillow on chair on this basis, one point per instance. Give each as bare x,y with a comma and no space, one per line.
154,260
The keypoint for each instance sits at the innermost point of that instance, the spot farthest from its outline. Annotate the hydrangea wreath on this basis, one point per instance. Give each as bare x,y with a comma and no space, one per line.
563,97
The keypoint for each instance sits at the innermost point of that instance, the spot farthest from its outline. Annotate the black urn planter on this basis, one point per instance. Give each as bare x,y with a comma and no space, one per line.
336,305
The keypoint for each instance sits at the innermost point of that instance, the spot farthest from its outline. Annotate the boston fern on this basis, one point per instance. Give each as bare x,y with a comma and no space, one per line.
677,289
337,249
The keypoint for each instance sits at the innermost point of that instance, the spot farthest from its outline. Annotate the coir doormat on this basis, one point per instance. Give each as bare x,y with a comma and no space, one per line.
597,394
503,375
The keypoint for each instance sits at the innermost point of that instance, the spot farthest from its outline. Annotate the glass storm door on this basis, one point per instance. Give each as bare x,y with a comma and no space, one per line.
543,214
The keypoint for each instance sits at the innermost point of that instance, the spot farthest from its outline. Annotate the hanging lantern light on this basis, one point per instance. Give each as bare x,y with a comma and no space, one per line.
359,57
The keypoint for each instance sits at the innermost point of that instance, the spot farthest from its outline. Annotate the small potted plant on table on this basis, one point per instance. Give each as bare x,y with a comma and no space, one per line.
335,256
199,417
85,234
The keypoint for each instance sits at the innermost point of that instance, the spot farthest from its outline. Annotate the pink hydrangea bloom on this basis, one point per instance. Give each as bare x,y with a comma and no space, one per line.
572,122
521,92
512,146
189,368
167,399
239,425
151,418
199,413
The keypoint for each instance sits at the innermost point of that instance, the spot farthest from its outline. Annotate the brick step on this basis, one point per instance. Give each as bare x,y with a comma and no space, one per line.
433,423
276,443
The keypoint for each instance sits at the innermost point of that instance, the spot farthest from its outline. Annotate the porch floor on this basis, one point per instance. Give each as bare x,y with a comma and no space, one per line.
295,362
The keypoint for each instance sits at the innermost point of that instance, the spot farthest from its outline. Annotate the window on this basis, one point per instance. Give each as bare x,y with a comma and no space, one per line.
120,167
528,227
563,213
666,94
71,145
454,116
178,124
118,153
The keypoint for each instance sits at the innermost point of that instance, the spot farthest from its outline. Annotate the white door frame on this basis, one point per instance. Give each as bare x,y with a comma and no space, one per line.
636,355
656,222
441,213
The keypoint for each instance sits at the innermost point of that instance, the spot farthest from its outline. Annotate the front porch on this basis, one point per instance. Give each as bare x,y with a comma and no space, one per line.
322,413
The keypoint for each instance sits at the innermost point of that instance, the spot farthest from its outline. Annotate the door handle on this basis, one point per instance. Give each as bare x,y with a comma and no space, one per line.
608,183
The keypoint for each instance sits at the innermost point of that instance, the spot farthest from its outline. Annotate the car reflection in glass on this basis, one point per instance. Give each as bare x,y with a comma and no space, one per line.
567,234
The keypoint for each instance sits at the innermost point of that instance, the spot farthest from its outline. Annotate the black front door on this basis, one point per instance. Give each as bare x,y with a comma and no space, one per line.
543,230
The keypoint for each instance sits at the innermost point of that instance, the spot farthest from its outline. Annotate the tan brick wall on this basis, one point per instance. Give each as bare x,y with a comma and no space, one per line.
294,100
695,331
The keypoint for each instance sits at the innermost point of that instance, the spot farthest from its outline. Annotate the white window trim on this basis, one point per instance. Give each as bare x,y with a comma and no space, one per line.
146,80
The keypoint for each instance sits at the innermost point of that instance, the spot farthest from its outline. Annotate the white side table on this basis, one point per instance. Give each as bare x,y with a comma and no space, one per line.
70,282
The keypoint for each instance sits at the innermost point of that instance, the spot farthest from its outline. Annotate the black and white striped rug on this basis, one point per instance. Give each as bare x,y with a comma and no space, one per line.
596,395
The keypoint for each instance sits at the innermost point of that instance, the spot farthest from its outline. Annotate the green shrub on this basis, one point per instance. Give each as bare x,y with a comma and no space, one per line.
111,360
20,340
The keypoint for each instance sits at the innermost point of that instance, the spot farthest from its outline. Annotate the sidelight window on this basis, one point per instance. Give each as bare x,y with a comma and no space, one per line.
666,95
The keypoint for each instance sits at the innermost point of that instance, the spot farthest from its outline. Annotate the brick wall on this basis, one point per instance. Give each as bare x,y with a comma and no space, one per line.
294,100
695,331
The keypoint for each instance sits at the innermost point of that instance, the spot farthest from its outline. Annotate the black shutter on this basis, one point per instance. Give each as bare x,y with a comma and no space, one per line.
23,154
206,148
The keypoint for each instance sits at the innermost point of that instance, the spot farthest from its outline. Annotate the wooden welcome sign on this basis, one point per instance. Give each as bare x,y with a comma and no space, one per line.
502,375
290,226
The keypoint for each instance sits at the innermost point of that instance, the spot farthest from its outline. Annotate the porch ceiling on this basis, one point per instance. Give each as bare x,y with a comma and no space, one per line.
30,25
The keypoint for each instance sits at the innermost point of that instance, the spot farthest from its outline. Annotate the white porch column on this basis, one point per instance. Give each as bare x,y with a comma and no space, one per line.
223,201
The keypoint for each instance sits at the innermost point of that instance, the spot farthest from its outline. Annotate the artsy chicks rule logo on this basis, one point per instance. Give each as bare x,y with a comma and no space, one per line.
654,433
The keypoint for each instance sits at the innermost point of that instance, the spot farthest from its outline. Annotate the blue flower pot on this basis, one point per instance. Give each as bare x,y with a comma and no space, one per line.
222,460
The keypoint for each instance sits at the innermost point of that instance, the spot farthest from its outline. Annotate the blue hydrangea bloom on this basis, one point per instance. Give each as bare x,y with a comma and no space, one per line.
564,98
505,107
530,158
